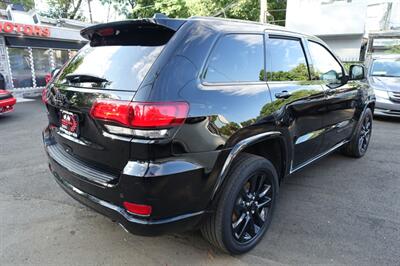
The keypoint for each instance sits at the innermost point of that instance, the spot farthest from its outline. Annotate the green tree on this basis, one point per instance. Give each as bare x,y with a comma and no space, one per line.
204,8
245,9
123,7
172,8
28,4
394,50
239,9
277,9
69,9
143,9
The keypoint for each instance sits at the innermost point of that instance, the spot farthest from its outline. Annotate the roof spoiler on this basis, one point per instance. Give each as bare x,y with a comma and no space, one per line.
151,31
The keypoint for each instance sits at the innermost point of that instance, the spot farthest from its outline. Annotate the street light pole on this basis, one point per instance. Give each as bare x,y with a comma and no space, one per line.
263,11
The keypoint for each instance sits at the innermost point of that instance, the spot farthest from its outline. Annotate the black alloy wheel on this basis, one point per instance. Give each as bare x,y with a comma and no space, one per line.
358,144
365,134
252,208
245,205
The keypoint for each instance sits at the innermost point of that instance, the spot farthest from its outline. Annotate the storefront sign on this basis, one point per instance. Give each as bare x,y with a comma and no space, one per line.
24,29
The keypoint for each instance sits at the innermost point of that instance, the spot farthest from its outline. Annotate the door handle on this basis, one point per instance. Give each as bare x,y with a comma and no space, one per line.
330,92
283,95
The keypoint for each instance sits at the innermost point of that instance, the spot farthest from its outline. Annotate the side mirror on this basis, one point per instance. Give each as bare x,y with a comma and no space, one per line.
356,72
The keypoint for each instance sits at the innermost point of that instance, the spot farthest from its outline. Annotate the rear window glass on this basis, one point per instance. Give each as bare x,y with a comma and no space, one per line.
236,58
109,67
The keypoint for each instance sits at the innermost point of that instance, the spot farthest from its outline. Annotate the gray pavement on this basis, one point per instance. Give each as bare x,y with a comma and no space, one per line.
337,211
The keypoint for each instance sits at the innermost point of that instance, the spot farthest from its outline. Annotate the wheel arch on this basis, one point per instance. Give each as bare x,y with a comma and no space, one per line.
257,145
371,105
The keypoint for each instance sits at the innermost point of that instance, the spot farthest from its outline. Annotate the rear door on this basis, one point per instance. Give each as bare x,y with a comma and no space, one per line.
296,100
110,67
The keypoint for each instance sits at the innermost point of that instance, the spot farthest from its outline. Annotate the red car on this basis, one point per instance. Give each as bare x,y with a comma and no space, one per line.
7,102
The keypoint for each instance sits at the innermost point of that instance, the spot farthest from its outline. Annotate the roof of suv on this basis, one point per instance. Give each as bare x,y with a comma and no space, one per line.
227,24
218,24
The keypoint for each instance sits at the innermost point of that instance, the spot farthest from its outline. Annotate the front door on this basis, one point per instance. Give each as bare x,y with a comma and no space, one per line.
341,97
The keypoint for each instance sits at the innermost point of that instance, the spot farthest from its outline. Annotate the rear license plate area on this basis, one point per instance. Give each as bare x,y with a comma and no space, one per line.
69,123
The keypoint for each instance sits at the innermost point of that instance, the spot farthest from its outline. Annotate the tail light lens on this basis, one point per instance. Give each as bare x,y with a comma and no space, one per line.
138,209
112,110
141,114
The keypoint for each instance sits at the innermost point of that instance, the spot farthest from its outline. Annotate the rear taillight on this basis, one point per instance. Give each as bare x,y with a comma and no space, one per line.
141,114
112,110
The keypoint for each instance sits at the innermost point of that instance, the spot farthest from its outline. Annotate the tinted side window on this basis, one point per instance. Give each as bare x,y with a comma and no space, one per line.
326,67
286,60
236,58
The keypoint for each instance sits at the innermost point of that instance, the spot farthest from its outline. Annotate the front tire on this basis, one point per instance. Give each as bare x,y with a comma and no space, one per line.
358,145
245,207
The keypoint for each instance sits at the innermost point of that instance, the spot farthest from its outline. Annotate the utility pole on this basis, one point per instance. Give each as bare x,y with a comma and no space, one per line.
263,11
90,11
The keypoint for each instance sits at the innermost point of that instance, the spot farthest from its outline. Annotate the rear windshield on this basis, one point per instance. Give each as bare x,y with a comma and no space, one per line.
109,67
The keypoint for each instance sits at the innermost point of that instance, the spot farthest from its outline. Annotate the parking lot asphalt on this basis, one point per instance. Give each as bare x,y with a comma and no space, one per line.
337,211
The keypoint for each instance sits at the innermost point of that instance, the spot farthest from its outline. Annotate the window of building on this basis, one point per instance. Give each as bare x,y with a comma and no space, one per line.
286,60
72,53
20,64
60,57
326,67
236,58
41,64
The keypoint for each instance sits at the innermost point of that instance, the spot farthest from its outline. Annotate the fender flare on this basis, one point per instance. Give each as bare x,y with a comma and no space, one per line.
240,146
367,103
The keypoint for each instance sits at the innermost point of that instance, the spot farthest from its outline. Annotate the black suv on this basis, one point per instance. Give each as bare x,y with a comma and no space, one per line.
176,124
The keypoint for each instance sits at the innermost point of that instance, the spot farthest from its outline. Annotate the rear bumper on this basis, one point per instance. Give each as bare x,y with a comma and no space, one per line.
178,190
129,222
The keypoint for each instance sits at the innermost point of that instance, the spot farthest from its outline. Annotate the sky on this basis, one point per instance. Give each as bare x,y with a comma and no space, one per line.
99,12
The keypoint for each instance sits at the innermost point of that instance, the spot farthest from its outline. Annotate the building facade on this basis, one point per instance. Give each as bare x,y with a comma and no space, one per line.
344,24
32,46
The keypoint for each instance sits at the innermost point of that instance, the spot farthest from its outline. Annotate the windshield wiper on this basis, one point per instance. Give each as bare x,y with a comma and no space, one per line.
81,78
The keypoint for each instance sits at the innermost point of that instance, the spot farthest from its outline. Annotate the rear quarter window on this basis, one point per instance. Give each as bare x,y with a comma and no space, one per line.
110,67
236,58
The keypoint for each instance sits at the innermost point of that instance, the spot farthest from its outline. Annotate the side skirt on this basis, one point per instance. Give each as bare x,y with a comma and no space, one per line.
337,146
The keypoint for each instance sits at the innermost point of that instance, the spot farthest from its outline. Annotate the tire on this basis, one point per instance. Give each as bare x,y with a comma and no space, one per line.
223,227
358,145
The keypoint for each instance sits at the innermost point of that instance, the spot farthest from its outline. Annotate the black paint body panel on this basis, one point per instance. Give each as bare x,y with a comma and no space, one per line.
179,175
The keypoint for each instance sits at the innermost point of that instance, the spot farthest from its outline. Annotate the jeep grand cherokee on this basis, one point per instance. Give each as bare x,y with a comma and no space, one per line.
175,124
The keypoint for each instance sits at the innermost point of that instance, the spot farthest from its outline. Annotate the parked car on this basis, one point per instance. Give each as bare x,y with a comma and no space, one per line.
176,124
384,78
7,102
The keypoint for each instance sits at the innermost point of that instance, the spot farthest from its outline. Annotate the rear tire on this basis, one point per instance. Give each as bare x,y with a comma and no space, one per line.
245,206
358,145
